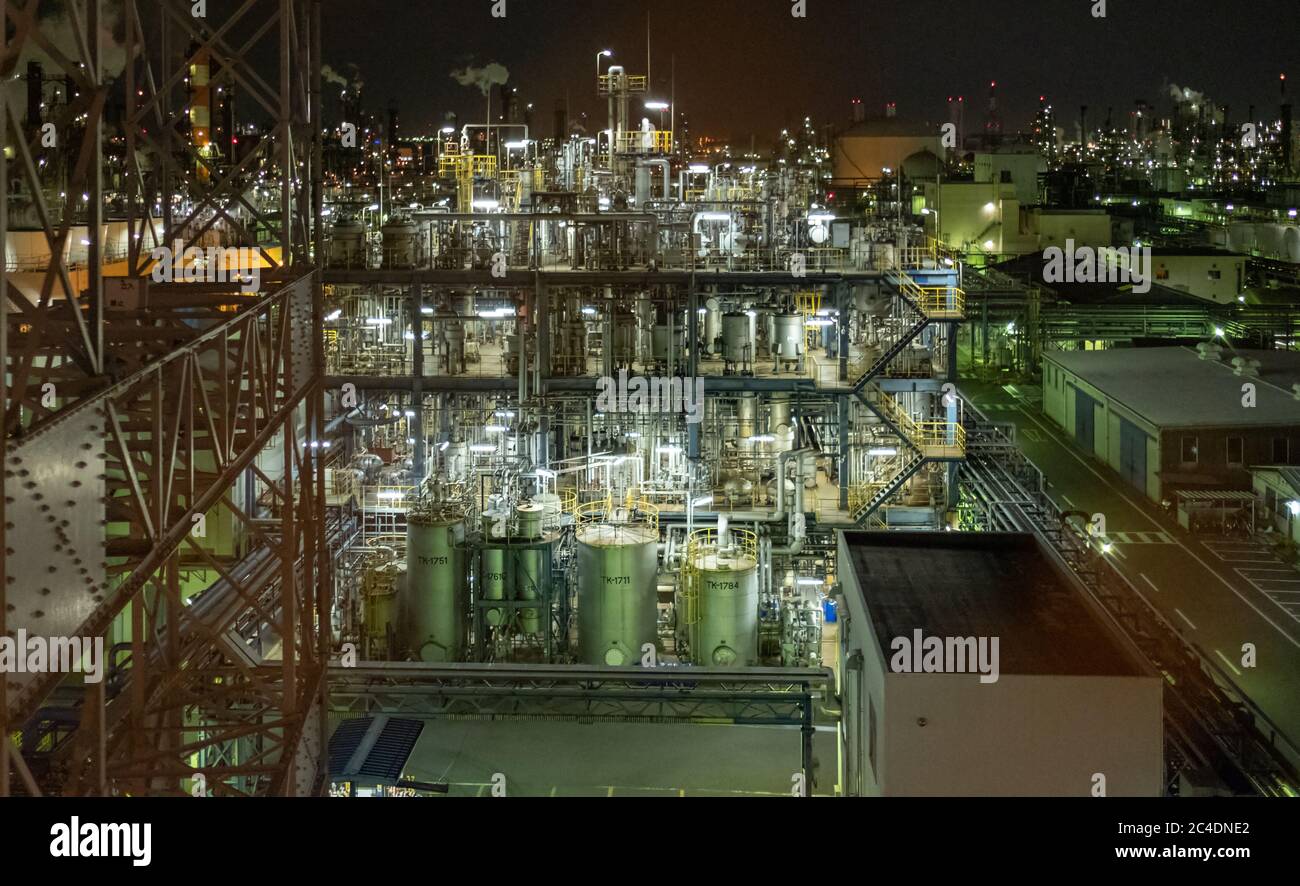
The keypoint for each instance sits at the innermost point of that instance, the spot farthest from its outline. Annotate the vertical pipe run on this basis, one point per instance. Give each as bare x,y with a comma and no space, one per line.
4,409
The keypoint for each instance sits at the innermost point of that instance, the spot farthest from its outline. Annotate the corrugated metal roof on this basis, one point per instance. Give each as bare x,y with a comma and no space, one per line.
384,744
1215,495
1174,388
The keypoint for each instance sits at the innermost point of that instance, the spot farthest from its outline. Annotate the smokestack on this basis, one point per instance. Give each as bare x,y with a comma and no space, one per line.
993,124
891,110
859,111
1083,125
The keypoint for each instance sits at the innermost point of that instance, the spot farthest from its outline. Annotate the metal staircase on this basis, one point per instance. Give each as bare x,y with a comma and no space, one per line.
865,500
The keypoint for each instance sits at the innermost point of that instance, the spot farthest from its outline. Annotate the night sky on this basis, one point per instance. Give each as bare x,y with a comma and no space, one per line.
747,66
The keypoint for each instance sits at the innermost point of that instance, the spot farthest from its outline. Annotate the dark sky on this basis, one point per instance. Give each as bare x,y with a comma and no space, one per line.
747,66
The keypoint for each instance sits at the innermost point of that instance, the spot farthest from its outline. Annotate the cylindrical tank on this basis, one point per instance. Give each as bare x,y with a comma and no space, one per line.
617,593
667,342
380,587
433,611
530,573
624,339
737,345
1291,244
347,243
530,564
529,520
552,511
449,342
403,242
726,631
788,341
780,423
712,322
494,583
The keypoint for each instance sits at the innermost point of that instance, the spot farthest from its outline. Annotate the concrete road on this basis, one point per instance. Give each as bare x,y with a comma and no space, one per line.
1219,593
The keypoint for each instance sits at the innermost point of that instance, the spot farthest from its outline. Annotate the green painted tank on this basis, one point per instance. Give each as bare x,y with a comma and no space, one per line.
433,611
493,577
726,632
617,592
530,565
380,589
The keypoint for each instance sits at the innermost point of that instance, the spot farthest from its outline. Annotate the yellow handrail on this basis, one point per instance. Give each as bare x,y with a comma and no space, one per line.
656,141
636,513
934,301
741,544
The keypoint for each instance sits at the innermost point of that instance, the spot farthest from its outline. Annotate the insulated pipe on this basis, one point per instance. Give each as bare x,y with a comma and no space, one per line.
781,460
797,529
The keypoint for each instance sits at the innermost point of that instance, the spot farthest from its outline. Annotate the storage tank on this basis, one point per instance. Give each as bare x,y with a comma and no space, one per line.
403,242
552,511
1291,244
433,610
348,243
724,629
531,564
712,323
1268,239
493,579
617,591
737,343
381,584
625,329
667,342
1241,237
449,342
788,337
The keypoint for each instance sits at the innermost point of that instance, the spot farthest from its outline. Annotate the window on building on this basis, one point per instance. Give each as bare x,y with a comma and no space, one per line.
1281,451
1191,452
1214,274
1236,451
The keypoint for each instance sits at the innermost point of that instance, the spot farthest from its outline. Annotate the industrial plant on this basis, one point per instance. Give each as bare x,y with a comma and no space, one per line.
528,426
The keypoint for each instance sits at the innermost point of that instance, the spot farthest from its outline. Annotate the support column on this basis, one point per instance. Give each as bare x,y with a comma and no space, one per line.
843,294
417,384
541,314
844,452
693,332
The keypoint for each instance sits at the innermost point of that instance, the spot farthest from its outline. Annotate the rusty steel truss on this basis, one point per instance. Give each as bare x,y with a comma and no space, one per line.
132,409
